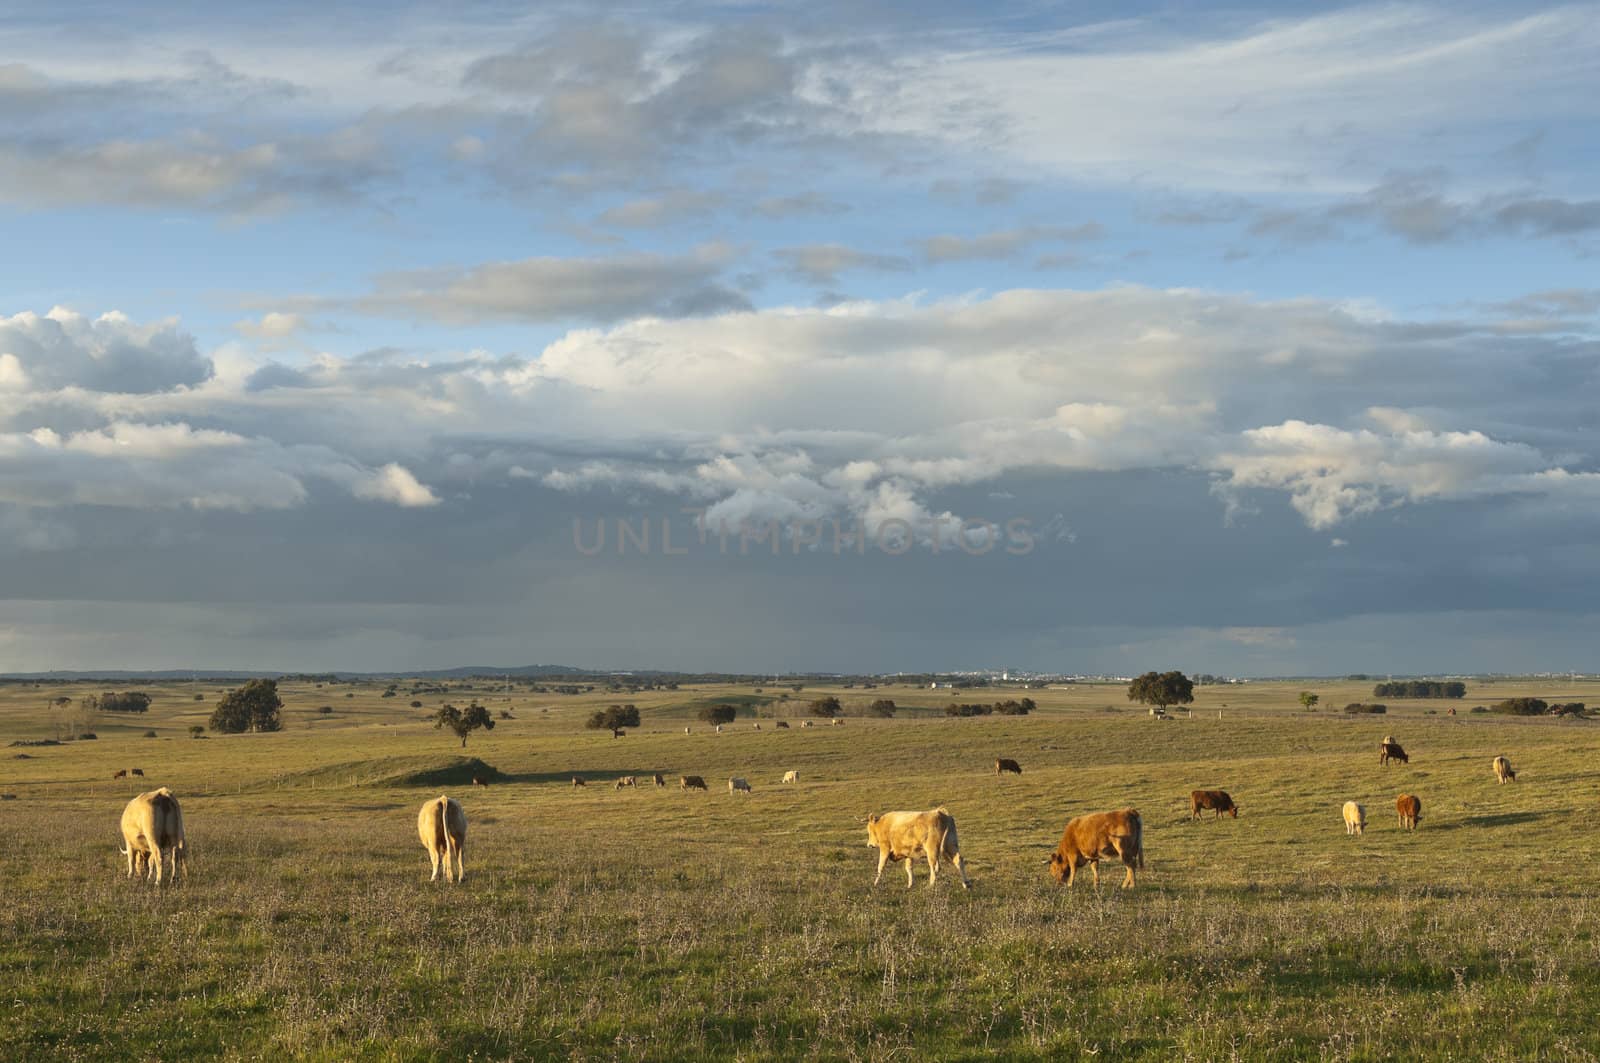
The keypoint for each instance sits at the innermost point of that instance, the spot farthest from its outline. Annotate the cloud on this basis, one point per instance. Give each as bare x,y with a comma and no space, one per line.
109,353
668,209
273,325
395,483
1004,243
821,264
800,205
552,289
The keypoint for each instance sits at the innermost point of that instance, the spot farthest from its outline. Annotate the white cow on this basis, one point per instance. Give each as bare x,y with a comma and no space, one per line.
152,831
442,826
791,776
1355,818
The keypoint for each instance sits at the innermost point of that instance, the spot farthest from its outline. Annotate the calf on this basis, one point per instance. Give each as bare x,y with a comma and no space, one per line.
1503,771
1390,750
1355,818
1003,764
1409,809
737,785
1088,838
1217,801
906,835
691,782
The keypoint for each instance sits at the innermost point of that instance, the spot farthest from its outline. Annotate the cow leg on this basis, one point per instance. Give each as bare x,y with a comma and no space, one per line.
433,857
911,880
961,870
461,867
1094,866
883,858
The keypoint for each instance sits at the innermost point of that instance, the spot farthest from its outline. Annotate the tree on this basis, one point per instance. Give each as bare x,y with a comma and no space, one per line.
252,707
462,722
828,707
1309,700
884,707
719,713
196,731
614,718
129,702
1161,689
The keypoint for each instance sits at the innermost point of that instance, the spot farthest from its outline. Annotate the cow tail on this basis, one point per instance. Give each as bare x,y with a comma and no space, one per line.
1138,839
947,833
441,832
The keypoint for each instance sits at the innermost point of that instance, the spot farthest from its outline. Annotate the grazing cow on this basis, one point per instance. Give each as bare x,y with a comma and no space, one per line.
1410,810
152,831
1003,764
1355,818
123,774
685,730
907,835
477,781
442,826
1217,801
659,780
1503,770
1089,837
138,772
1391,751
805,723
577,781
1452,711
783,724
719,728
838,723
691,782
791,777
758,727
737,785
627,781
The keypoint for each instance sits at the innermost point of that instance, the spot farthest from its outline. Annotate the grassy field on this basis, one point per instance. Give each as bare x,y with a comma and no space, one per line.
654,924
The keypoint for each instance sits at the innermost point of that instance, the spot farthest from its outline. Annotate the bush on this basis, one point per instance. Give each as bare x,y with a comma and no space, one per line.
416,704
967,709
1571,709
828,707
1480,708
326,710
718,714
1520,707
351,694
883,707
199,697
1420,688
1017,707
129,702
150,734
1360,706
87,736
196,731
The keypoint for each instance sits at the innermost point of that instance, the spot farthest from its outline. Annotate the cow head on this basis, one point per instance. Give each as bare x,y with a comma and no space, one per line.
1058,867
872,829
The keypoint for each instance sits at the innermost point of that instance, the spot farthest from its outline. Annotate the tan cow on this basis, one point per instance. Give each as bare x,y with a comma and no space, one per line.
1089,837
1409,809
152,831
627,781
907,835
1355,818
442,826
737,785
691,782
791,777
1503,771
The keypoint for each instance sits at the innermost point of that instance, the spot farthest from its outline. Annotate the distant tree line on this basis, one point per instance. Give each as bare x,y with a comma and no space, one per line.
1420,688
1010,707
1369,707
1538,707
129,702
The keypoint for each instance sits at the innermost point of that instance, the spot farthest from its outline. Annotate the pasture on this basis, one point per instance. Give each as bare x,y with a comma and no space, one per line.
654,924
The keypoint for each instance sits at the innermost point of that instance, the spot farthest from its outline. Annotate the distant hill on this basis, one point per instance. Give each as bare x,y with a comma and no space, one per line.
180,675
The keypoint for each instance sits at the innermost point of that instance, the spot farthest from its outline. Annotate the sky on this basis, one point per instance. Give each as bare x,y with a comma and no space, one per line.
1080,337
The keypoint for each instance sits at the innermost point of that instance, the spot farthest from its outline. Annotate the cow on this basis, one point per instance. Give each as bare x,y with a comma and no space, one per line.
577,781
907,835
627,781
685,730
737,785
1409,809
152,831
137,771
442,826
805,723
479,781
791,777
783,724
691,782
1355,818
1390,750
758,727
1089,837
719,728
659,780
123,774
1217,801
1004,764
1503,770
838,723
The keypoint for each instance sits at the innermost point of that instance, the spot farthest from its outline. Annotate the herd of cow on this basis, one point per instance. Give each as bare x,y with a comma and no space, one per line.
152,828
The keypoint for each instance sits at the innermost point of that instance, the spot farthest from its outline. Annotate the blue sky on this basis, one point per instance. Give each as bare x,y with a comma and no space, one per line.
1274,325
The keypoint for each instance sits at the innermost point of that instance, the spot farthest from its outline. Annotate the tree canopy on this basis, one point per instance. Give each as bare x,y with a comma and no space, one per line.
827,707
1162,689
884,707
462,722
718,714
614,718
252,707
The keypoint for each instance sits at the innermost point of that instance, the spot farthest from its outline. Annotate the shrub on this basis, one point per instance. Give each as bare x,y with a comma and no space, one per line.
1572,709
967,709
1016,707
718,714
1480,708
199,697
326,710
87,736
416,704
196,731
1360,706
150,734
883,707
828,707
1520,707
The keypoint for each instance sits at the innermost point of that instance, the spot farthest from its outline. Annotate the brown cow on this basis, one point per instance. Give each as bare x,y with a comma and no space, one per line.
1217,801
1409,809
137,772
123,774
1503,771
660,781
442,826
1088,838
782,724
577,781
152,830
691,782
1003,764
907,835
476,781
1390,750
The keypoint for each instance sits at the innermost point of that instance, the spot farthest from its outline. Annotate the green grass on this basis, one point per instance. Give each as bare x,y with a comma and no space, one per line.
653,924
